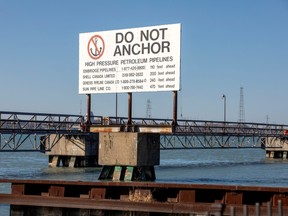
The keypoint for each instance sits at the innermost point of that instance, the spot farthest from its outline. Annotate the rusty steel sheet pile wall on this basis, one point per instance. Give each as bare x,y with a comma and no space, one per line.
110,198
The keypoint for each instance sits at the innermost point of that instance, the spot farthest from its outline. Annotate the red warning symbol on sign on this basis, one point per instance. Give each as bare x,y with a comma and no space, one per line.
96,47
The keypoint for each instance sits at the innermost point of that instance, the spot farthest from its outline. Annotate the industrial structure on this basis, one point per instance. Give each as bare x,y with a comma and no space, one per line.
127,148
21,131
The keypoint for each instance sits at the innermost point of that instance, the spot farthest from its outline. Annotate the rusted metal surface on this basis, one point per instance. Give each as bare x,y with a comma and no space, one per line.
149,197
88,117
151,129
175,111
116,205
165,129
98,129
129,121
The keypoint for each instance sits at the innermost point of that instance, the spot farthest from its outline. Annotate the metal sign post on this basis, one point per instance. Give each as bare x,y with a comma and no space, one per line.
129,122
88,115
175,101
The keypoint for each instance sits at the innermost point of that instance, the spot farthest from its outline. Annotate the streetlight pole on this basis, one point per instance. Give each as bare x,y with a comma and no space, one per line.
116,105
224,97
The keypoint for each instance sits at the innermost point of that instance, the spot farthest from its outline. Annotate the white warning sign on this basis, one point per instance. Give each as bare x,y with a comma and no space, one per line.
130,60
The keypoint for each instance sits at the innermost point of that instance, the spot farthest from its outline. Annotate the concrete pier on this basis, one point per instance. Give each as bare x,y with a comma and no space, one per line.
129,149
276,147
128,155
122,151
72,151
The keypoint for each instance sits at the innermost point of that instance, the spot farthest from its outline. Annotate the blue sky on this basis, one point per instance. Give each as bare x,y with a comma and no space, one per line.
225,45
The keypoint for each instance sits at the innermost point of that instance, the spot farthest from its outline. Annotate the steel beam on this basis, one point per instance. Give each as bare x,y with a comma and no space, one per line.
17,128
148,197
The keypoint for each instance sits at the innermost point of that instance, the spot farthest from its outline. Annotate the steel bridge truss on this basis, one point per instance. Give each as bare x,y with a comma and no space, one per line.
211,134
17,128
28,131
176,141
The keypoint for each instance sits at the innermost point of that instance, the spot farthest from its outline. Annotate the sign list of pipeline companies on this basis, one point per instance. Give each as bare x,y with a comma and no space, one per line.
130,60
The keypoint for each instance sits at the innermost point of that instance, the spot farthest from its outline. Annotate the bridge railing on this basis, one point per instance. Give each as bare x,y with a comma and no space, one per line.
201,127
231,128
23,122
208,134
111,120
16,128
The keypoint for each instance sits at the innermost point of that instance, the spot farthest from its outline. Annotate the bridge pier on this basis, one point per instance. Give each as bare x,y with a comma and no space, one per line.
70,161
276,147
124,155
72,150
129,156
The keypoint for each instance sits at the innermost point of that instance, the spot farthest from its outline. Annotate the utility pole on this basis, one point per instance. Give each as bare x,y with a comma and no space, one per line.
241,107
116,107
148,109
224,97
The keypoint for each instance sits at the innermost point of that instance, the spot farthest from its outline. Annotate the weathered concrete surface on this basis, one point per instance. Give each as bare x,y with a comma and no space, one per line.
72,151
86,145
129,149
276,147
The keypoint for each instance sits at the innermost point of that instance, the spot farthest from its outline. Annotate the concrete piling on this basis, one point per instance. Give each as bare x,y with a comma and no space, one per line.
72,151
276,148
128,155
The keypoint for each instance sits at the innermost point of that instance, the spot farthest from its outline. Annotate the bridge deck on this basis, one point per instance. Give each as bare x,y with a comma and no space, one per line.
17,128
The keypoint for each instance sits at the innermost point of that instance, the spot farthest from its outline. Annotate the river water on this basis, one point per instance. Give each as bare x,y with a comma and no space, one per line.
199,166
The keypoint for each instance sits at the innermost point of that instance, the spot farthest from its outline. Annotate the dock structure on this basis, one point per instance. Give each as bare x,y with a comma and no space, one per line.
72,150
128,149
21,131
82,150
128,160
69,141
277,147
128,154
44,197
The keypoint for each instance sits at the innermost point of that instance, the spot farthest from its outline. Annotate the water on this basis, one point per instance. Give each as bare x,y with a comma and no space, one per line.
198,166
222,166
